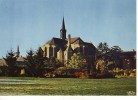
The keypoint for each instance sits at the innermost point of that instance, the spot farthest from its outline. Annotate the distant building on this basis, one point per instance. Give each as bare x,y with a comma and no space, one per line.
63,48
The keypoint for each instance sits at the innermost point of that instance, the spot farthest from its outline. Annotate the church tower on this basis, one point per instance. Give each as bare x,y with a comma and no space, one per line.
63,31
18,52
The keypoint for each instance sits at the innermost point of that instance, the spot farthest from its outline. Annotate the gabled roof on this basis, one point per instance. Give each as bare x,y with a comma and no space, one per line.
61,43
57,41
89,45
74,39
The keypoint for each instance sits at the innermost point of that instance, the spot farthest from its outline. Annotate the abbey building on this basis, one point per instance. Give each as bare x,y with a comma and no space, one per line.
64,47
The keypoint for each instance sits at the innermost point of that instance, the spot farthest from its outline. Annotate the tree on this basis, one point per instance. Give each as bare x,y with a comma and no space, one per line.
104,57
77,62
40,61
30,63
55,63
115,51
100,65
10,60
103,48
110,56
104,52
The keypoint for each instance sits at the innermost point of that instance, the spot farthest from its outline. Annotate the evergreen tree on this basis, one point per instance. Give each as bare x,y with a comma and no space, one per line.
30,63
54,63
11,61
40,61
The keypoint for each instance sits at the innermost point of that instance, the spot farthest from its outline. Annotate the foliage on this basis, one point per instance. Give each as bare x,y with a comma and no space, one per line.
115,53
30,63
124,73
10,60
75,68
110,56
103,49
38,65
4,71
95,75
100,65
81,74
54,63
40,62
65,72
77,62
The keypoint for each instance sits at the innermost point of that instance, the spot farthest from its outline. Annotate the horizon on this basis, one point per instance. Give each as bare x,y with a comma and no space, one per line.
30,24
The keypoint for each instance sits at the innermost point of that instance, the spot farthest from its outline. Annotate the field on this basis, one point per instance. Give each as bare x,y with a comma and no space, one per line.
66,86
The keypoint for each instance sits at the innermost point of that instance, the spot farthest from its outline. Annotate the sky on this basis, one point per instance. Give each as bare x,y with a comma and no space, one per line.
31,23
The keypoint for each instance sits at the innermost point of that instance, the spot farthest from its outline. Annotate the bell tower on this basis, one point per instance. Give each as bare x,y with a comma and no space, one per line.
63,31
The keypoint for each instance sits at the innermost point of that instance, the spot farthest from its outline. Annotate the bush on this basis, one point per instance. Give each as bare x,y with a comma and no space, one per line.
109,75
101,75
65,72
81,74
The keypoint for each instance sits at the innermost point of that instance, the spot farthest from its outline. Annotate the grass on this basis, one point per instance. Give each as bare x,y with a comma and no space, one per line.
66,86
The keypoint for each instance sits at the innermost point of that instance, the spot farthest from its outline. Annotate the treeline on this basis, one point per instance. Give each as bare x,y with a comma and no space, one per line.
34,64
108,64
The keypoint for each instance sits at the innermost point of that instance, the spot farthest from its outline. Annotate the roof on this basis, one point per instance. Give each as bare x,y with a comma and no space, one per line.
89,44
72,40
20,59
61,43
56,41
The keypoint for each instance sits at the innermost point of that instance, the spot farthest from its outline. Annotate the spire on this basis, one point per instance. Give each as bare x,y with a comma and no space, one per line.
63,24
63,30
18,52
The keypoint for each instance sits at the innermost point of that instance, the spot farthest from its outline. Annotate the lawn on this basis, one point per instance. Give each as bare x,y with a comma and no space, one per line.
66,86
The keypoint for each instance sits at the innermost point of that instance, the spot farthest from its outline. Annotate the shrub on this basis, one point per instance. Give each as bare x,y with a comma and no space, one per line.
132,73
77,74
109,75
101,75
81,74
65,72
